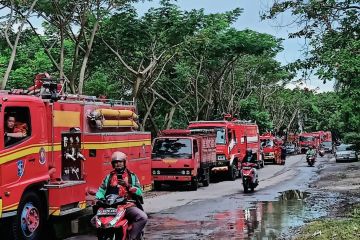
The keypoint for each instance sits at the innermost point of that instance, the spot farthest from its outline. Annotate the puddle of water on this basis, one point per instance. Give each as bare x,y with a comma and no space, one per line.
261,220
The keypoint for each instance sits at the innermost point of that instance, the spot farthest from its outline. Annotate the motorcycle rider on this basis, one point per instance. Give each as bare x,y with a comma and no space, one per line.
250,158
310,151
125,183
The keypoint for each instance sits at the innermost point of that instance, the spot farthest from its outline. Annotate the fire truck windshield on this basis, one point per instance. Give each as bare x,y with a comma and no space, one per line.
306,139
172,148
220,136
267,143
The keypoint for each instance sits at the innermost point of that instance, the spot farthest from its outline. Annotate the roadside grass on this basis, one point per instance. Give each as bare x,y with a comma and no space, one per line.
345,228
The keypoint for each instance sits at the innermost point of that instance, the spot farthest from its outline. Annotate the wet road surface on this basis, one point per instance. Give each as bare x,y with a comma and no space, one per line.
223,211
265,214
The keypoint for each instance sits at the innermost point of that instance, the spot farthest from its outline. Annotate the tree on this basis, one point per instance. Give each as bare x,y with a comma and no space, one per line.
332,28
13,18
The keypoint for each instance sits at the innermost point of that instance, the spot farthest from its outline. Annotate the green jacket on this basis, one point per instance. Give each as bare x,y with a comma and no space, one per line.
134,182
310,152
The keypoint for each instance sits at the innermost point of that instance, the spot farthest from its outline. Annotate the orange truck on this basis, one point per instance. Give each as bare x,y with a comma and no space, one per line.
271,147
56,150
183,157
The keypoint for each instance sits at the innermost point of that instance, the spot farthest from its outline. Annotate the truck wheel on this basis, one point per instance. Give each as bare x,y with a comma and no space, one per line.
232,172
194,184
157,186
28,224
206,181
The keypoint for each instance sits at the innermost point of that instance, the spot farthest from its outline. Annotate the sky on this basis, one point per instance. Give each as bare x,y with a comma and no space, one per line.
250,18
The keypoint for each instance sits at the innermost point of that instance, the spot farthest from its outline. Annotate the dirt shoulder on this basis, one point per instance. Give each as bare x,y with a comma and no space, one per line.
336,189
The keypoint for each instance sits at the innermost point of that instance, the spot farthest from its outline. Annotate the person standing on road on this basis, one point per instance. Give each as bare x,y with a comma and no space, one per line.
125,183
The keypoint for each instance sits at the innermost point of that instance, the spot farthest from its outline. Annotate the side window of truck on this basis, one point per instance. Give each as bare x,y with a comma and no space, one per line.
195,147
17,125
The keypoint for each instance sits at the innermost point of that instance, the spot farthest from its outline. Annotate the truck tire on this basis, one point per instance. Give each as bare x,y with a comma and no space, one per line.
232,172
30,219
157,186
206,181
194,184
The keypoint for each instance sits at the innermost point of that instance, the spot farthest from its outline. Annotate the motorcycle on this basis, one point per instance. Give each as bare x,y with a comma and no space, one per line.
110,221
249,177
310,159
321,152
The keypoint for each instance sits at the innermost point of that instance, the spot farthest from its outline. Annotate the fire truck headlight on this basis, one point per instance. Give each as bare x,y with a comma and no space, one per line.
221,157
158,172
154,172
187,172
183,172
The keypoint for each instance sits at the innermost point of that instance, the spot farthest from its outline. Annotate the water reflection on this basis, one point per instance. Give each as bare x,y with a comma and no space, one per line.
262,220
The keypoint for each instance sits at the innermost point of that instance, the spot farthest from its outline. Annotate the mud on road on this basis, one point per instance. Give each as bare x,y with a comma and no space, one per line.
336,187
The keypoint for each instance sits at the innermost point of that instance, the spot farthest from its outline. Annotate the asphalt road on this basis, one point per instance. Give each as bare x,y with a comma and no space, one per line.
223,211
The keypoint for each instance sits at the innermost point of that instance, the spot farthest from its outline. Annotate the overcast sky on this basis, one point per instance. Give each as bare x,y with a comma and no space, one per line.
250,18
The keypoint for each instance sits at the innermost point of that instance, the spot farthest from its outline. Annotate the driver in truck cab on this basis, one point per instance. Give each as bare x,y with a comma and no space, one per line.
14,131
125,183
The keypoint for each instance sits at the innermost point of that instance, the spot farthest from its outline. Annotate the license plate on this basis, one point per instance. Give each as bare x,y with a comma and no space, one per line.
106,212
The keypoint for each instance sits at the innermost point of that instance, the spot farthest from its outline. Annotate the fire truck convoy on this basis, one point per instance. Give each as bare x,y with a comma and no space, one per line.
183,156
271,149
63,154
233,137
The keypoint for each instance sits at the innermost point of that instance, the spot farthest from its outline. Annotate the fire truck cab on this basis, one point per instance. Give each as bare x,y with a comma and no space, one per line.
55,149
183,157
233,137
271,147
306,140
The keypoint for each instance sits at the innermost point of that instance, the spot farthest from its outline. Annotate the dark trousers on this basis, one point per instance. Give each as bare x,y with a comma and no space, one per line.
138,219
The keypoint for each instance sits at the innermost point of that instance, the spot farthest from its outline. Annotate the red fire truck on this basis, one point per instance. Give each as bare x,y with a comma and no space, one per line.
271,147
327,136
57,148
305,141
233,137
183,156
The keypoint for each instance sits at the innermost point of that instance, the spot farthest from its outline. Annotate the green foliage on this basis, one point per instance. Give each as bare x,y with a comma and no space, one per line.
333,229
202,66
333,30
250,110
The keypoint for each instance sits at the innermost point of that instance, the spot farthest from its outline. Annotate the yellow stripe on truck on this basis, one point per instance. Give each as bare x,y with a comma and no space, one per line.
34,149
25,152
66,119
0,207
116,145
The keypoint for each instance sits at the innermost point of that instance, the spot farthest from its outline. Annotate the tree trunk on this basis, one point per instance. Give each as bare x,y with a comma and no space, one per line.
86,58
139,79
13,52
148,111
61,50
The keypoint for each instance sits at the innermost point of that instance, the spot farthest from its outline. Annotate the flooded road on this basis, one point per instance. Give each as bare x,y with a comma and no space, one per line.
259,220
223,211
